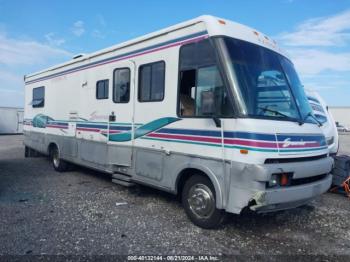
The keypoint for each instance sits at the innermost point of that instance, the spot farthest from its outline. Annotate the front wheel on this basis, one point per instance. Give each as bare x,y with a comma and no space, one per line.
58,164
199,201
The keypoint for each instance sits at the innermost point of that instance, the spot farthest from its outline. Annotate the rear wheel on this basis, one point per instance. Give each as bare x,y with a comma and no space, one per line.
58,164
199,201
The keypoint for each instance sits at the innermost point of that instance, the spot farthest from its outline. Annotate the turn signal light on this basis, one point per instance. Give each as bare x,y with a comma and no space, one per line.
279,180
284,180
244,151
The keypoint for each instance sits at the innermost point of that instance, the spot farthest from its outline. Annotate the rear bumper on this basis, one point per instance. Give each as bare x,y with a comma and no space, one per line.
290,197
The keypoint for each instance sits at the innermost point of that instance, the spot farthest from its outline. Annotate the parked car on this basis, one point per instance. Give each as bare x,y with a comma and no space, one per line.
342,128
326,120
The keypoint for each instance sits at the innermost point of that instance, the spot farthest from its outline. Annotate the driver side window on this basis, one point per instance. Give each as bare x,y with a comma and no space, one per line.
201,89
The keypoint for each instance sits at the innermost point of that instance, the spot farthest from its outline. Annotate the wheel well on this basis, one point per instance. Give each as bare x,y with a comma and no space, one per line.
51,146
185,175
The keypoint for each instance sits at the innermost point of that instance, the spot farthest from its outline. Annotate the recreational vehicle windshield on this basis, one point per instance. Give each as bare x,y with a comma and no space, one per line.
208,109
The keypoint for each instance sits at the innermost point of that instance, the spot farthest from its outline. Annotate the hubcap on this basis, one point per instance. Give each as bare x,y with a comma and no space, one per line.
55,158
201,201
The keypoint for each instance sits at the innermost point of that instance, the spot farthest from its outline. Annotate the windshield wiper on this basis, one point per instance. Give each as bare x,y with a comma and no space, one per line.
281,114
310,114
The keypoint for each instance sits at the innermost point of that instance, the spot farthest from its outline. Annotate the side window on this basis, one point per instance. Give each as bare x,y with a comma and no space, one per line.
121,85
102,89
38,97
151,82
201,89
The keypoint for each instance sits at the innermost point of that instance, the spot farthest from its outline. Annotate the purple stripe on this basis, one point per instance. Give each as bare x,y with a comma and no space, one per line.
57,126
125,57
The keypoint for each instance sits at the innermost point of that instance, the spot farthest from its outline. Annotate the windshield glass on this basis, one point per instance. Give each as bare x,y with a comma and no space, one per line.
267,82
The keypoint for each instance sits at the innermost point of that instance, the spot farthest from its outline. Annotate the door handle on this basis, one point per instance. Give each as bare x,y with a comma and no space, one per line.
112,117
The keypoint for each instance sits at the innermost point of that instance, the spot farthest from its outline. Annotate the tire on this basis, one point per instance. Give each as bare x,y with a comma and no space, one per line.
199,202
58,164
26,152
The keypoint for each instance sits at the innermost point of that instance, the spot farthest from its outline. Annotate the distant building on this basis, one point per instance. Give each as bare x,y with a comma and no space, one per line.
11,120
341,114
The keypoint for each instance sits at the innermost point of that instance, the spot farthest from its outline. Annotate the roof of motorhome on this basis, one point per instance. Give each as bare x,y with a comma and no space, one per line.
214,26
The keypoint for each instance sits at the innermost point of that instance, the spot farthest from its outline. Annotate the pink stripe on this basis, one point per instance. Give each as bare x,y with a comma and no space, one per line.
307,144
230,141
88,129
250,143
190,138
126,57
97,130
216,140
111,132
57,126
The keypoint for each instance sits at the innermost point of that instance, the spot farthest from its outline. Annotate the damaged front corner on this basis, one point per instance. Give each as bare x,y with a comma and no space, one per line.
259,199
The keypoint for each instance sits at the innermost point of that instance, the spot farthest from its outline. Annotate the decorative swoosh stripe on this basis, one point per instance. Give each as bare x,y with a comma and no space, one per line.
150,49
156,130
242,140
144,129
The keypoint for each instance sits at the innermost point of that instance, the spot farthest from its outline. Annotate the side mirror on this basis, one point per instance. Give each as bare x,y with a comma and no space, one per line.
208,106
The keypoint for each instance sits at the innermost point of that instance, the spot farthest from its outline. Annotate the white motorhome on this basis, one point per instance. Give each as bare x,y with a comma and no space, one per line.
11,120
326,120
209,109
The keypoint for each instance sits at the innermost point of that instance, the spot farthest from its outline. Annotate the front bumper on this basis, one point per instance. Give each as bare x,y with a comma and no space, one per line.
289,197
247,186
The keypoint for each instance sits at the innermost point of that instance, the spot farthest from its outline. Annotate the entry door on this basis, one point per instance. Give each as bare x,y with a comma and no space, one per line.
120,122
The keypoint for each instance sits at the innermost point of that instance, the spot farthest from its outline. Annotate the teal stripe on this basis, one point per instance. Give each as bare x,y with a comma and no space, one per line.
252,149
227,146
181,141
207,144
301,150
144,129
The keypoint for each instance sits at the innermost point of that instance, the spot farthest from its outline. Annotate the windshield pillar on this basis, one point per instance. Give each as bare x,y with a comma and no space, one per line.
230,77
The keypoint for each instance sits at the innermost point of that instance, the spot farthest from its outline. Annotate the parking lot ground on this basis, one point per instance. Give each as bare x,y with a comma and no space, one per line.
82,212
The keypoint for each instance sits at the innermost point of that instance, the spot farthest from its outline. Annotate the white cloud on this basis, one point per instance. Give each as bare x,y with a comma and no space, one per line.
11,89
53,40
313,45
9,79
19,57
319,48
310,61
97,34
78,28
27,52
324,31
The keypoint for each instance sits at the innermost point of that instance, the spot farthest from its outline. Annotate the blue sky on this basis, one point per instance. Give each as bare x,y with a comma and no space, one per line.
36,34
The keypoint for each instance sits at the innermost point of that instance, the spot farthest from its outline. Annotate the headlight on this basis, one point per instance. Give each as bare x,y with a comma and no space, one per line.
273,181
330,140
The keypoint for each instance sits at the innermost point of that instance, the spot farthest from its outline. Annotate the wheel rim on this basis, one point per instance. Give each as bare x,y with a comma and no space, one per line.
201,201
55,158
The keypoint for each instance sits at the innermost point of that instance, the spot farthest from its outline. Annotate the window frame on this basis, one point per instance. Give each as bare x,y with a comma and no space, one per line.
38,106
98,81
121,68
218,64
139,81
